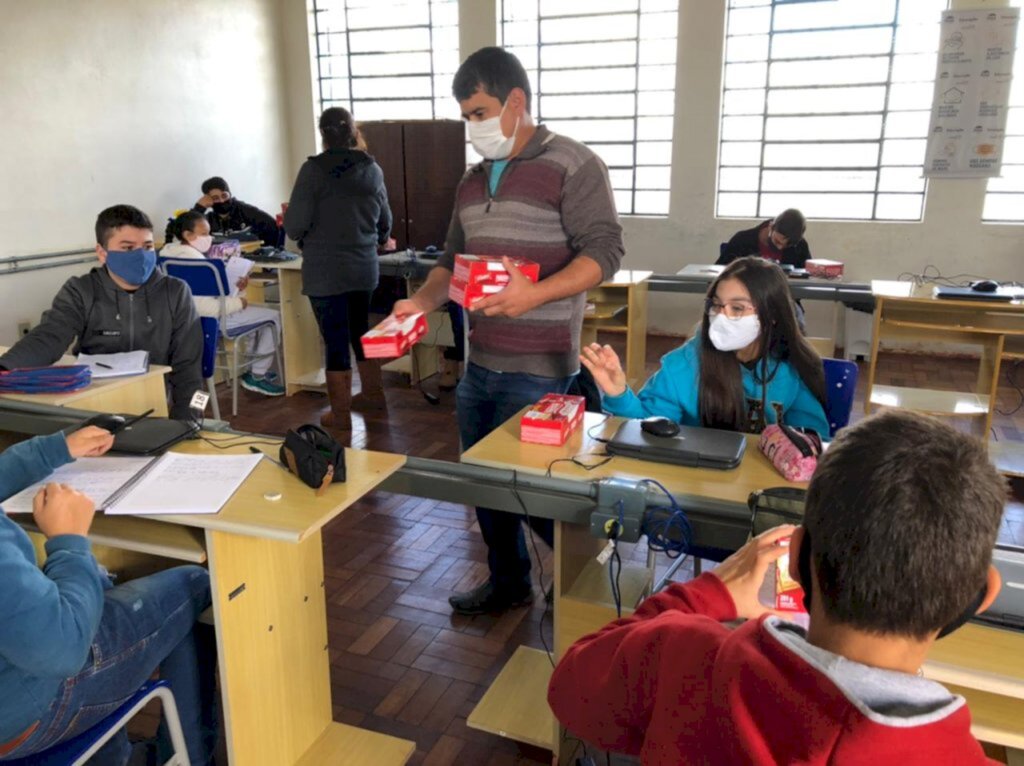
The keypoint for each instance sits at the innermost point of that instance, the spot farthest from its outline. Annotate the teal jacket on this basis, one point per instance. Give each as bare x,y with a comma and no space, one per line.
48,616
673,392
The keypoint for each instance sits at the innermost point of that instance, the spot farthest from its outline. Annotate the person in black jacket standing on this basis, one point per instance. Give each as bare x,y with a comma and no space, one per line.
780,239
230,214
339,215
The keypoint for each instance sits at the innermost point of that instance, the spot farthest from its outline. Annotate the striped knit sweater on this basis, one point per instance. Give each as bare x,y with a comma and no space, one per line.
553,202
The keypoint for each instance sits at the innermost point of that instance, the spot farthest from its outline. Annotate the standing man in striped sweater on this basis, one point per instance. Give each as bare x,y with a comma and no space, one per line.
539,196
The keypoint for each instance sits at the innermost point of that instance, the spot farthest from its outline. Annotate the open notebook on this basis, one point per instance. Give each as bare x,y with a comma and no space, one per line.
172,483
116,365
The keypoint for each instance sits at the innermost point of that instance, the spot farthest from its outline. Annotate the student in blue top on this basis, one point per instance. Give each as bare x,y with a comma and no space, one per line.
72,646
747,362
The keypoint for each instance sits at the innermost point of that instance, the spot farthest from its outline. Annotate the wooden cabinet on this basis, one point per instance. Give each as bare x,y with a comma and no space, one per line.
423,162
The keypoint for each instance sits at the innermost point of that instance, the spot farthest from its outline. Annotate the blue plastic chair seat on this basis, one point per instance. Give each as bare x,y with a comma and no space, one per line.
74,750
840,387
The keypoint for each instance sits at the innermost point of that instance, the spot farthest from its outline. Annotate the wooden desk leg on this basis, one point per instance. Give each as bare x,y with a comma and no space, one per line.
636,334
300,336
988,377
876,332
270,612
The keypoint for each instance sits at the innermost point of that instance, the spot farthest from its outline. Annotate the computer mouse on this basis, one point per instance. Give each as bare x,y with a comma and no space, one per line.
664,427
107,422
984,286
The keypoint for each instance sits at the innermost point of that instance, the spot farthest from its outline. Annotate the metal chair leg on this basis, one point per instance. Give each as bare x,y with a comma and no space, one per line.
211,386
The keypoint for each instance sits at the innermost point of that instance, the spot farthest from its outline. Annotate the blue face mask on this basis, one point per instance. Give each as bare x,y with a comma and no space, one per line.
133,266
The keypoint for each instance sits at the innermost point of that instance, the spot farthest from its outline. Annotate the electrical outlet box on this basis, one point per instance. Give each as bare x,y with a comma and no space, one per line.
24,328
619,497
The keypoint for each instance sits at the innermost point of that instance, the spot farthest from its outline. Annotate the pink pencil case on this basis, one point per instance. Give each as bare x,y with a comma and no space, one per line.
793,451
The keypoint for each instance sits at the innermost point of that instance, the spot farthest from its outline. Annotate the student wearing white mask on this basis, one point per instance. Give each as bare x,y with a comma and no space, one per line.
188,236
747,361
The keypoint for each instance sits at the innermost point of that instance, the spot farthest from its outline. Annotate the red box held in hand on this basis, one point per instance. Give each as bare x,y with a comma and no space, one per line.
552,419
393,337
477,276
789,596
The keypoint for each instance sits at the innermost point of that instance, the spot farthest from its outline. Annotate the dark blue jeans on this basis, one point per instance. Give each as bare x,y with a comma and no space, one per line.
343,319
484,400
146,624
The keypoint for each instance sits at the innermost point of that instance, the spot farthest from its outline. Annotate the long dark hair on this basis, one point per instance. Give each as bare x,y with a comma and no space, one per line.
721,397
177,227
339,131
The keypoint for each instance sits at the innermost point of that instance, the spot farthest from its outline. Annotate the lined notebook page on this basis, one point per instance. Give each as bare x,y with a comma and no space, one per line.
187,484
98,478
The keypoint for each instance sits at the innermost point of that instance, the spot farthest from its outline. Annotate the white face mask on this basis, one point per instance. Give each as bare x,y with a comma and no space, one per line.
733,334
488,140
202,243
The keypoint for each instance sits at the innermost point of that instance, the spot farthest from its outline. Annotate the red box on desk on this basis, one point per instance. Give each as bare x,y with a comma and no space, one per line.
393,337
473,269
552,419
824,268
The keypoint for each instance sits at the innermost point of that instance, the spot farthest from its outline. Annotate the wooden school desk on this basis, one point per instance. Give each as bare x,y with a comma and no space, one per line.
128,395
906,312
265,559
515,705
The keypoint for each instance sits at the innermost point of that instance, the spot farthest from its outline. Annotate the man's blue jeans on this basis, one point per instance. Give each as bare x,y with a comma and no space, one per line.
147,623
484,400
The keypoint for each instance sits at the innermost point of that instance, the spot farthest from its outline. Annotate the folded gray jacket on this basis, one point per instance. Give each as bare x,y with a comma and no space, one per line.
159,317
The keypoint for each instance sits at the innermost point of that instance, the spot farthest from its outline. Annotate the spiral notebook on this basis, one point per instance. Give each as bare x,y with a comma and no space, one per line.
170,484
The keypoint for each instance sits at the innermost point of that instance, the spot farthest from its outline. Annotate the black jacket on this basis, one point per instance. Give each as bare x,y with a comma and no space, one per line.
241,215
101,318
746,243
338,214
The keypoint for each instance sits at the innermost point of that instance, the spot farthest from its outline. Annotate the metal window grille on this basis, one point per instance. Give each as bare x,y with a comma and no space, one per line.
1004,196
387,59
825,107
603,72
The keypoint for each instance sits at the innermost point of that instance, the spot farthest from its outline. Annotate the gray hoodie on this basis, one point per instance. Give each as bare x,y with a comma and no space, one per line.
101,318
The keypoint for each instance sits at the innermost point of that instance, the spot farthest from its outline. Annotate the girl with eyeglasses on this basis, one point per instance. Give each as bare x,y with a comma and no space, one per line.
747,363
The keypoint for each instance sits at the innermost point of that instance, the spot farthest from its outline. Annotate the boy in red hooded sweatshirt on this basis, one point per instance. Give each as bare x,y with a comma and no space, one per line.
896,547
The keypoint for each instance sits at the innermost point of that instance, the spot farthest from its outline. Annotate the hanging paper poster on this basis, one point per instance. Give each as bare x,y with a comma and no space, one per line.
972,92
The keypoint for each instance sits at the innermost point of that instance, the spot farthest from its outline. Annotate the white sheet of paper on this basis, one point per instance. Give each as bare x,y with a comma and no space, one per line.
116,365
187,484
237,268
95,477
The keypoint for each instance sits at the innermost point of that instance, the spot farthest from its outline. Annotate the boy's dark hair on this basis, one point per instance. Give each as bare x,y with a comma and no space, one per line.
791,224
902,515
215,183
496,71
176,227
115,217
338,129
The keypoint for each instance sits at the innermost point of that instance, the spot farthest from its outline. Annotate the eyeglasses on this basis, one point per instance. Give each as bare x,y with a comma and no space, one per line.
732,309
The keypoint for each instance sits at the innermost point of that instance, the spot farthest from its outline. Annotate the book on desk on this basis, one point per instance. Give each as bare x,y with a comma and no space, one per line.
170,484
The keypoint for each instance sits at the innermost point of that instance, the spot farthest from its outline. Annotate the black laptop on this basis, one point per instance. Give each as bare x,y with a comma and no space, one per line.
1001,294
1007,611
692,446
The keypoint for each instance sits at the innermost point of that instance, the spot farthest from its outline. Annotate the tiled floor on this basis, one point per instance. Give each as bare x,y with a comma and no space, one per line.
401,662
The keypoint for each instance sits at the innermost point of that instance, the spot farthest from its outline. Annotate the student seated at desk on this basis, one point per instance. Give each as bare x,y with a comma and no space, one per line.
124,304
188,236
896,545
780,239
230,215
72,647
747,360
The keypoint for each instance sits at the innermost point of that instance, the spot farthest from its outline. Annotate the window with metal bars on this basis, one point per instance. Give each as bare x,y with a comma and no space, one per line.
603,72
387,59
825,107
1004,197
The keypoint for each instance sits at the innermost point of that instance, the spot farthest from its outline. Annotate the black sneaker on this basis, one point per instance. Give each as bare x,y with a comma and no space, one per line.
485,599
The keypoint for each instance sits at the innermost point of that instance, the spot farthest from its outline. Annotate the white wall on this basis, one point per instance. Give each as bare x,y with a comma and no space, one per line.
124,101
